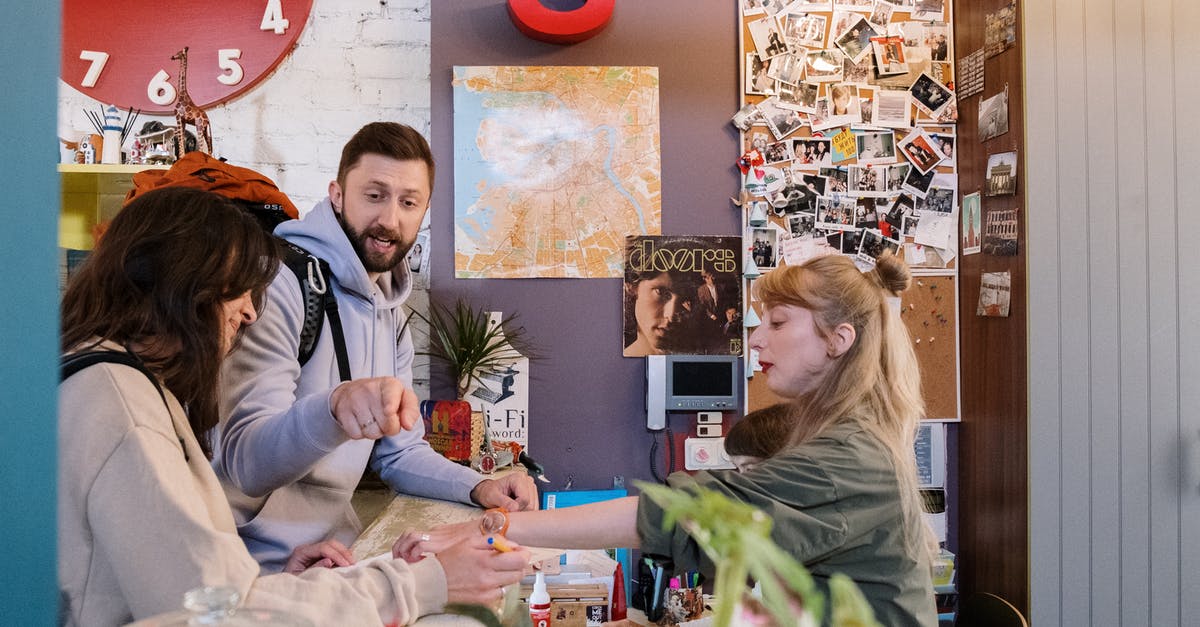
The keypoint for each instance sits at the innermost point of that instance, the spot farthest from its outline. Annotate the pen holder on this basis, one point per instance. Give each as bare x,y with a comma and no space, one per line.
682,604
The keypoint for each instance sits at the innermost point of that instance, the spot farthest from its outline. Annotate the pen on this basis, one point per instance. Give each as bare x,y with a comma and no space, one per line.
499,544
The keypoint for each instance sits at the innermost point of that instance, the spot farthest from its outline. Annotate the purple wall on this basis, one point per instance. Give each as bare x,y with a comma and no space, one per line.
587,401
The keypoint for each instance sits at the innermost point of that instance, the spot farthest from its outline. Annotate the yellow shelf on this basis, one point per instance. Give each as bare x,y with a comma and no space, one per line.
92,194
106,168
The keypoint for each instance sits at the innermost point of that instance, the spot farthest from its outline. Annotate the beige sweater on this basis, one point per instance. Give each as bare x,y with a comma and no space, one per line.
142,519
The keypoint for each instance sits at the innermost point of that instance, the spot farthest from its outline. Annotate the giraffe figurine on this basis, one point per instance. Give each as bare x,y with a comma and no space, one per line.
187,111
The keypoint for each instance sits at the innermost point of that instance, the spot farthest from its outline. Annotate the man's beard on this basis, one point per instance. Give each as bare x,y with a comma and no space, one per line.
375,262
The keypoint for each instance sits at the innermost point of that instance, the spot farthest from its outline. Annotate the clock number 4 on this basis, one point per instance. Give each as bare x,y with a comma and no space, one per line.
273,18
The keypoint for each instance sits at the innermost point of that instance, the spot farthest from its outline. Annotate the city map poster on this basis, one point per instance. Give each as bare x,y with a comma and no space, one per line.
682,295
553,167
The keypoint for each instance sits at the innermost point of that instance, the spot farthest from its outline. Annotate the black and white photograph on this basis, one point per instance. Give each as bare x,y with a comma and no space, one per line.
774,7
866,105
835,214
813,151
768,41
816,183
850,240
811,5
893,108
823,66
929,10
1002,174
764,246
937,39
1000,231
757,81
876,147
757,138
931,95
920,151
819,118
746,117
1000,30
787,68
902,207
781,121
804,30
881,15
868,181
852,5
917,182
888,53
802,224
864,214
897,173
993,116
855,41
752,7
872,244
778,151
802,97
796,197
944,142
861,72
938,200
838,180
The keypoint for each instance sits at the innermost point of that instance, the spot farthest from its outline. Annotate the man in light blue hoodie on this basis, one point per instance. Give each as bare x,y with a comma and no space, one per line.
294,440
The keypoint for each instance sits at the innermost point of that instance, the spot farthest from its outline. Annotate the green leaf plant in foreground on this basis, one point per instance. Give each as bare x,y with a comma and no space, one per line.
737,538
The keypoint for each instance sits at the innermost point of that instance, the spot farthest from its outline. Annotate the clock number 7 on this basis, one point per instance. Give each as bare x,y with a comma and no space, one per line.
98,60
273,18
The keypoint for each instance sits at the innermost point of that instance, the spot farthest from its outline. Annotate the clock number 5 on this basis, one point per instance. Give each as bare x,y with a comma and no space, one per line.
273,18
227,60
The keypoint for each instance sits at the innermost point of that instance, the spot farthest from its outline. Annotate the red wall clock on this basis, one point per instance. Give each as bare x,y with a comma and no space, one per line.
119,52
543,23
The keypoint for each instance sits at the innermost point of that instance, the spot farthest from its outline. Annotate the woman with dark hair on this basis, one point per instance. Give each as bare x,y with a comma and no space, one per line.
141,515
659,297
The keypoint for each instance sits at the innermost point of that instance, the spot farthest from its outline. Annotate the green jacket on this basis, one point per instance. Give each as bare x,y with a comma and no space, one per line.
835,502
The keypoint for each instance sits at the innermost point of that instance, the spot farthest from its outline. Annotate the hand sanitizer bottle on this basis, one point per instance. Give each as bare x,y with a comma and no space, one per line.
539,602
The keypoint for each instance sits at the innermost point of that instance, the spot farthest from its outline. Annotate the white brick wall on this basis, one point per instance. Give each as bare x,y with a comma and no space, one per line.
357,61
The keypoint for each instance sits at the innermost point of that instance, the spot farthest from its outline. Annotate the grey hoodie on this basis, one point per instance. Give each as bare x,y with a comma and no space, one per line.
286,466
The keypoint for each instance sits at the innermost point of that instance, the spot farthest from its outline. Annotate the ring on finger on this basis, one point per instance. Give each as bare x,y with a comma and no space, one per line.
424,537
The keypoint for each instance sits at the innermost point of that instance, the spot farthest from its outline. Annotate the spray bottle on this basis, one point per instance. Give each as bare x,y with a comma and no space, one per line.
539,602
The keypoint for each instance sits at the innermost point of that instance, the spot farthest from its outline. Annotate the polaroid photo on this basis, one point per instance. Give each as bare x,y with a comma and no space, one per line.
897,173
917,182
813,151
855,41
865,216
859,73
418,259
796,197
804,30
768,41
919,149
757,80
872,244
838,180
893,108
918,64
866,105
942,72
936,36
913,33
841,21
876,147
820,119
929,11
764,246
931,96
778,151
889,55
949,113
802,225
1000,232
852,5
781,121
850,241
746,117
945,143
811,5
881,16
787,68
835,214
752,7
823,66
972,224
844,105
816,183
802,97
1002,174
993,116
901,207
756,138
868,181
938,200
774,7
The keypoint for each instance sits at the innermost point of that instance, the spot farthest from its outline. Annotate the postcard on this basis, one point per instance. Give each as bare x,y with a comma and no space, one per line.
1002,174
993,116
995,294
1000,232
970,70
972,224
1000,29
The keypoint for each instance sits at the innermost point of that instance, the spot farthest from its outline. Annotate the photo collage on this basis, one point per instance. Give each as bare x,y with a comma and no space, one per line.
848,127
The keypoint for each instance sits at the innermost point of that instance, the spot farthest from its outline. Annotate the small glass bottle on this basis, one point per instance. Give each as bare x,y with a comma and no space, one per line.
219,606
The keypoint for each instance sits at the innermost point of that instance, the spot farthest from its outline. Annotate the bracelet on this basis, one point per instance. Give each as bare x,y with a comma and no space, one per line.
494,522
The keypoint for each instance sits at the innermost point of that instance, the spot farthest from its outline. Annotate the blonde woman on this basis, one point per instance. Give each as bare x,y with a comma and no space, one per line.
843,490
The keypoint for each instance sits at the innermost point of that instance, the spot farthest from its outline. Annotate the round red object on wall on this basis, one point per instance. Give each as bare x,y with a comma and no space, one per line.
119,52
539,22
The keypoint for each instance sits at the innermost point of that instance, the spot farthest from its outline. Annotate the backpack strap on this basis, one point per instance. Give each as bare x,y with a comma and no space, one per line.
319,301
73,363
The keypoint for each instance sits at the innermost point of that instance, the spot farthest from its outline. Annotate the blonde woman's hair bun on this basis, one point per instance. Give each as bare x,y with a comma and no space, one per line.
892,273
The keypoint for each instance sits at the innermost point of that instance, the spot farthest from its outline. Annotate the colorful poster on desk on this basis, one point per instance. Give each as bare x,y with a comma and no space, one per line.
683,295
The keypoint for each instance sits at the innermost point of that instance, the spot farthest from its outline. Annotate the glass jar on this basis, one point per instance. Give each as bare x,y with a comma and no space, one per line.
219,606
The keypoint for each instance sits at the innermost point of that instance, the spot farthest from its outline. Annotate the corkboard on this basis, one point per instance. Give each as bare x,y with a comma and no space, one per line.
929,311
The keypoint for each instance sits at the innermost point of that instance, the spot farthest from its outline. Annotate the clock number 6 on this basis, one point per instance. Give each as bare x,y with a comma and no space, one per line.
160,91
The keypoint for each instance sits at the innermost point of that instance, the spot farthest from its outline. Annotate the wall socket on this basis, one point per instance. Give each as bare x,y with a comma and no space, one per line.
709,431
705,454
709,417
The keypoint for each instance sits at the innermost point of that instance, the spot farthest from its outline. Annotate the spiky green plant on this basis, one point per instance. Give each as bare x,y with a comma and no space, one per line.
737,538
462,337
